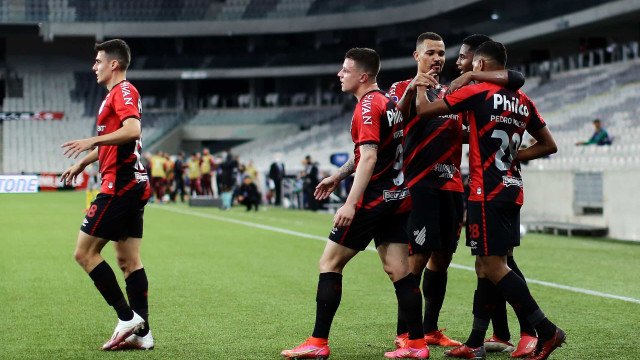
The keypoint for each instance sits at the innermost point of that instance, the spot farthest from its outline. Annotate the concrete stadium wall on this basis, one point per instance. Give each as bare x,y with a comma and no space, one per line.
549,196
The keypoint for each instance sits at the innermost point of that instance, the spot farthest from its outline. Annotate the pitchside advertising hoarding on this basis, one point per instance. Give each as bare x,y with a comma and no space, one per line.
15,184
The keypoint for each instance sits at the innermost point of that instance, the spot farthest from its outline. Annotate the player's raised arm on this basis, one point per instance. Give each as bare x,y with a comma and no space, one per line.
421,79
512,80
428,109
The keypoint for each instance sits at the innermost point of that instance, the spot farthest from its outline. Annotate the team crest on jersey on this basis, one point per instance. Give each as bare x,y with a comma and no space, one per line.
420,235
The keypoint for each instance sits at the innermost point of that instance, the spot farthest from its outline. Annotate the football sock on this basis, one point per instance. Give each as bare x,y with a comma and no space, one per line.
105,280
434,286
410,301
525,325
484,300
327,302
515,291
401,326
137,289
499,320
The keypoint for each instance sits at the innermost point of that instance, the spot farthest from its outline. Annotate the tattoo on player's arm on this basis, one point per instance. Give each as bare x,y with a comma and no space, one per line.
346,169
366,147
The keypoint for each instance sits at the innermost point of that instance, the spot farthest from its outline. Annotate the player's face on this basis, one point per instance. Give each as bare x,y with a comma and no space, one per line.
430,56
102,68
350,76
465,59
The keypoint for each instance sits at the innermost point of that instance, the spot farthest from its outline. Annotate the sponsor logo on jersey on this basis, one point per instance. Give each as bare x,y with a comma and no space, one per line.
141,177
511,181
334,230
446,171
101,128
512,104
392,195
474,244
394,117
420,236
85,222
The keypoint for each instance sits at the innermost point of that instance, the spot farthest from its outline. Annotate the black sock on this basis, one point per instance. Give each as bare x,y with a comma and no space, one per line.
484,300
499,320
401,326
525,325
105,280
515,291
137,288
410,302
327,302
434,286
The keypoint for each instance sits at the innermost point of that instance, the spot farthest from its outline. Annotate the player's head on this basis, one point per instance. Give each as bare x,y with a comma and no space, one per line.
429,52
205,151
111,56
360,67
469,46
597,124
491,55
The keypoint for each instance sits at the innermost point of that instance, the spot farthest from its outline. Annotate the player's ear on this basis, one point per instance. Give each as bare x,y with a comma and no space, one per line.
364,77
416,56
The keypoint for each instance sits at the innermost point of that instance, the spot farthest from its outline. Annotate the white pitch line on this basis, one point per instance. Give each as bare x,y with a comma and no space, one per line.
370,248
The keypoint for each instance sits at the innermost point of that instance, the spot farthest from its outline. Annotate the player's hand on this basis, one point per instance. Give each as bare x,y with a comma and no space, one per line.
325,188
76,147
461,81
344,216
424,79
69,176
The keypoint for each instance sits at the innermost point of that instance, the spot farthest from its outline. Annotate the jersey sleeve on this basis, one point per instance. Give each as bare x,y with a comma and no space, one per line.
466,98
367,123
515,80
536,122
397,90
126,103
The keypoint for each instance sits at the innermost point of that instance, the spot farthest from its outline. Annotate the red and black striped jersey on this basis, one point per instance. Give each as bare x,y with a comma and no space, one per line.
497,120
432,147
120,165
377,120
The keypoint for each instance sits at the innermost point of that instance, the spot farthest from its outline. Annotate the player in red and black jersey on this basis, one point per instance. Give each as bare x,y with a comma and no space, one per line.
432,155
375,209
117,212
500,340
497,119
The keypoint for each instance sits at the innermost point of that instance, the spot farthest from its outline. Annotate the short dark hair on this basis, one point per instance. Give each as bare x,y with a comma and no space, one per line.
428,36
493,50
474,41
366,59
596,121
116,49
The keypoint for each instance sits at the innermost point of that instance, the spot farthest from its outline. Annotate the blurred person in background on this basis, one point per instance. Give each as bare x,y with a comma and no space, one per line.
600,135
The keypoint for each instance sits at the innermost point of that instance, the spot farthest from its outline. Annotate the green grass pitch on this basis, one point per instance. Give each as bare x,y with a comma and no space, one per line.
221,289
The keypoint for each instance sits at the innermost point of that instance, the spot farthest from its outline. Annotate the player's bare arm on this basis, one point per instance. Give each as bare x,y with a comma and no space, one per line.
427,109
545,145
507,78
329,184
69,175
368,158
421,79
130,131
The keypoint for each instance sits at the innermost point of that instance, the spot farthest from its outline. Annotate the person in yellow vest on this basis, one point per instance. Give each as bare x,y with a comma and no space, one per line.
193,172
169,174
206,166
158,175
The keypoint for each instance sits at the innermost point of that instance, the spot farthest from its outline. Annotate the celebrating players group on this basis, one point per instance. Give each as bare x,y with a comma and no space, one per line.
407,196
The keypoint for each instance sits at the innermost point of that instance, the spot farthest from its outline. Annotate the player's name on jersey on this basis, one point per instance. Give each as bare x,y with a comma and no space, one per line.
508,120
